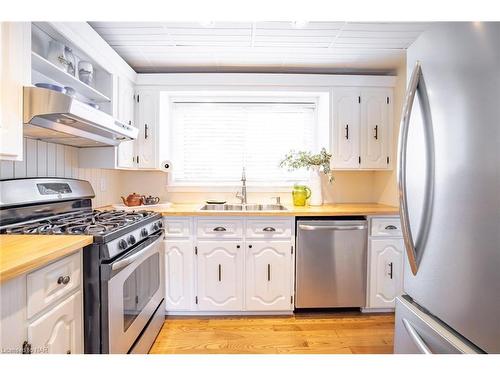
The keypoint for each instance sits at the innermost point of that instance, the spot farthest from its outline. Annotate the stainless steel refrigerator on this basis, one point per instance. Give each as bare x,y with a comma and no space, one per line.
449,188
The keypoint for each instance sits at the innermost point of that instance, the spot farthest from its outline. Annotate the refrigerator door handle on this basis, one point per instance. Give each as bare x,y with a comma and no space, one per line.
416,84
424,349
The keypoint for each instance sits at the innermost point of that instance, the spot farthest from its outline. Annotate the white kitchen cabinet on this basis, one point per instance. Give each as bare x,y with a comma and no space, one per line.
376,132
38,316
362,128
220,275
60,329
385,262
386,271
346,125
268,281
15,72
126,113
147,121
179,274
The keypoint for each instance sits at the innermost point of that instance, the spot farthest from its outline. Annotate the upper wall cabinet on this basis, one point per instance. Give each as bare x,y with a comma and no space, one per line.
126,113
15,67
362,128
147,142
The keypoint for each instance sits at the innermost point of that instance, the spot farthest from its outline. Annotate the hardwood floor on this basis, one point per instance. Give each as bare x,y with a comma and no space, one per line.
303,333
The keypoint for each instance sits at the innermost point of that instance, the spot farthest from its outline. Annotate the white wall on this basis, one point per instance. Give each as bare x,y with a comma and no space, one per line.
42,159
348,187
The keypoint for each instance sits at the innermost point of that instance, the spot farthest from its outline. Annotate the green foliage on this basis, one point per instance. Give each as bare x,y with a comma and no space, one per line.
305,159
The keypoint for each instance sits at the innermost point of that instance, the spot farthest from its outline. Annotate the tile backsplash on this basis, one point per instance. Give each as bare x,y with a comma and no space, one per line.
43,159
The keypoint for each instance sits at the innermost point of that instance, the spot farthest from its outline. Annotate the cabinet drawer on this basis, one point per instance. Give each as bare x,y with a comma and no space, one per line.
266,228
177,227
390,227
220,228
50,283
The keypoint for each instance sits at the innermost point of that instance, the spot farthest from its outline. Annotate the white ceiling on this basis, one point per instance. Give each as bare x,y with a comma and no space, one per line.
320,47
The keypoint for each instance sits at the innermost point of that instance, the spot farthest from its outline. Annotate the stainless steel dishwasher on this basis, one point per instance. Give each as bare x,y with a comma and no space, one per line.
331,263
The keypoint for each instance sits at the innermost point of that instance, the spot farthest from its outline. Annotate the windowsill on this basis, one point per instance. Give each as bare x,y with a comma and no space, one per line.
229,188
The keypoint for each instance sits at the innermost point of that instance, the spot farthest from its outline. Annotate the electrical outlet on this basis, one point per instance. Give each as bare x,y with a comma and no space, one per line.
103,184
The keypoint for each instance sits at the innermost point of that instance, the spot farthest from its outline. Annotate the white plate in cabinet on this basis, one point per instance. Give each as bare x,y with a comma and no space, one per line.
268,276
267,229
387,227
60,329
220,275
179,274
175,228
50,283
386,271
220,228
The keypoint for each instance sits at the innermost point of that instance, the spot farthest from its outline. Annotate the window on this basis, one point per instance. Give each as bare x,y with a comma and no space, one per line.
214,137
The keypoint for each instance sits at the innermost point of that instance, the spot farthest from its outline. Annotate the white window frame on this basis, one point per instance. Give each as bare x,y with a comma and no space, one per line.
321,136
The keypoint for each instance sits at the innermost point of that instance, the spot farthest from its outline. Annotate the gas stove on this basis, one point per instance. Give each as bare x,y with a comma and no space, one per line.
123,269
96,223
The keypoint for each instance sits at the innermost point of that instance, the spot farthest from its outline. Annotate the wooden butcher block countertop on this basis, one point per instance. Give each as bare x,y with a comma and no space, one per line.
20,254
339,209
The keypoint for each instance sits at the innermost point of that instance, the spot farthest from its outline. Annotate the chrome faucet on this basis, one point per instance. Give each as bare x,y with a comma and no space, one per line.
242,196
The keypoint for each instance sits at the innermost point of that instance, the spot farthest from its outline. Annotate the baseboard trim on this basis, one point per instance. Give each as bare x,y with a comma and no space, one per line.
227,313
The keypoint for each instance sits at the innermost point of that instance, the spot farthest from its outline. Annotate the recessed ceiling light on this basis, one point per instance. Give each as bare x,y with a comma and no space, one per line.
299,24
207,23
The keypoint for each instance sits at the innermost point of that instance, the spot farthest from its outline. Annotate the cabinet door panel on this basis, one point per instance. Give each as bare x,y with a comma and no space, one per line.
386,267
147,123
346,128
220,275
374,129
179,273
60,330
126,104
268,275
15,72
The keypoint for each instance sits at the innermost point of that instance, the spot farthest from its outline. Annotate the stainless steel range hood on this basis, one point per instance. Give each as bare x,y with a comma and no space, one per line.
59,118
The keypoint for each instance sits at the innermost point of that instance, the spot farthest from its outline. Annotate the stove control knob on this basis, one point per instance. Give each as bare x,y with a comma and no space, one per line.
155,227
160,224
131,240
144,232
122,244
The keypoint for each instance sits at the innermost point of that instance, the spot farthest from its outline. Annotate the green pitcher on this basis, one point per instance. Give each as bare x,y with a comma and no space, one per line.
300,194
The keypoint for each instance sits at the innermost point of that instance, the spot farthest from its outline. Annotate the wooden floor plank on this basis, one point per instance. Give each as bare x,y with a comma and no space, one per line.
303,333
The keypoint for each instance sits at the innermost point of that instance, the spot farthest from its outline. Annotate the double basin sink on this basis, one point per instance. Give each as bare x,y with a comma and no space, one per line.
243,207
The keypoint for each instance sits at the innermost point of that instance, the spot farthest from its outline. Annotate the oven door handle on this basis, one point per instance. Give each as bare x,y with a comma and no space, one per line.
122,263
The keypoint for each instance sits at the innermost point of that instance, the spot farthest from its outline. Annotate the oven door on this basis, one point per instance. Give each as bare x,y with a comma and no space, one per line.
135,288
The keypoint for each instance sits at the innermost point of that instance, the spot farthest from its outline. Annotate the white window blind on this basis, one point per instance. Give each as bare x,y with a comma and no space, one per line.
213,141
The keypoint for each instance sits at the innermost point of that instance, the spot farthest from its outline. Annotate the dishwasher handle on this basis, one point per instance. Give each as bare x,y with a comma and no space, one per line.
332,227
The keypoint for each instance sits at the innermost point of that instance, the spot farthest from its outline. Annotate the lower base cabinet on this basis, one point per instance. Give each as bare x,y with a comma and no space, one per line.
59,330
268,283
179,275
386,272
41,313
229,264
220,275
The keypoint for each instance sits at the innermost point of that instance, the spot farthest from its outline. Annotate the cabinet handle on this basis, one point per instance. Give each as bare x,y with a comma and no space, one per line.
390,270
347,131
68,352
376,132
390,227
146,131
269,229
220,272
268,272
219,229
63,280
